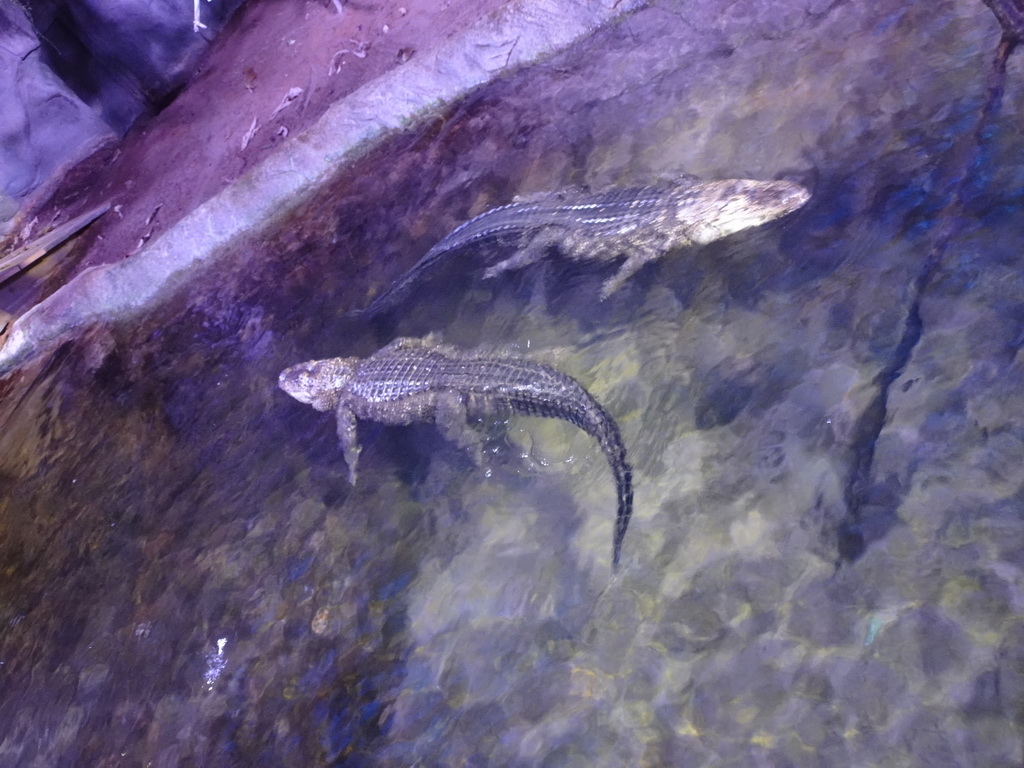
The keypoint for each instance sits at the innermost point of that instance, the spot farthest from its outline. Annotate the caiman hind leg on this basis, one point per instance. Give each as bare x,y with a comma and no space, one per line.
534,248
452,419
638,257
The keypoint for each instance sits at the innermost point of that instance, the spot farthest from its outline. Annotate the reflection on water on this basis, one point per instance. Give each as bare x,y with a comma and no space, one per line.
189,579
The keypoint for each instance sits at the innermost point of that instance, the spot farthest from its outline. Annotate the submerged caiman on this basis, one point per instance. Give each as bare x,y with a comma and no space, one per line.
413,380
637,222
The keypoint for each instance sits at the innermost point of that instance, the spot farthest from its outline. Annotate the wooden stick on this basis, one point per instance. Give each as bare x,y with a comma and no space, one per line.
28,254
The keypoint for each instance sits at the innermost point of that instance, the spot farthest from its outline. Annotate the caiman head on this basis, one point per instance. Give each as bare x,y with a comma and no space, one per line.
716,209
319,383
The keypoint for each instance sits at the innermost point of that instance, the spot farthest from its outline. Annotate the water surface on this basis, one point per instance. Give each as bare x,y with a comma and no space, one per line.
189,579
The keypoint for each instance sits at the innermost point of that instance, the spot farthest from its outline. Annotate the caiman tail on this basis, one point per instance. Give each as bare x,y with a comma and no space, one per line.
574,404
474,229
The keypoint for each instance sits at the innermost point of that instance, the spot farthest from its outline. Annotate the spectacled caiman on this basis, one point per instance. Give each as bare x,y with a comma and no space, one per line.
637,222
413,380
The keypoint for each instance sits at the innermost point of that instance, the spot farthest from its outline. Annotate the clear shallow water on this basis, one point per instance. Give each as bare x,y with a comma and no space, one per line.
188,578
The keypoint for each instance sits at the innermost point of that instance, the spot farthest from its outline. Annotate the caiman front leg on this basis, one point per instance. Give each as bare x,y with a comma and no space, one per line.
349,439
430,341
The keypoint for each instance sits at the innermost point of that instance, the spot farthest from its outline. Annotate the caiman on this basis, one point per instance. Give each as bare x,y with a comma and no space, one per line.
414,380
638,222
